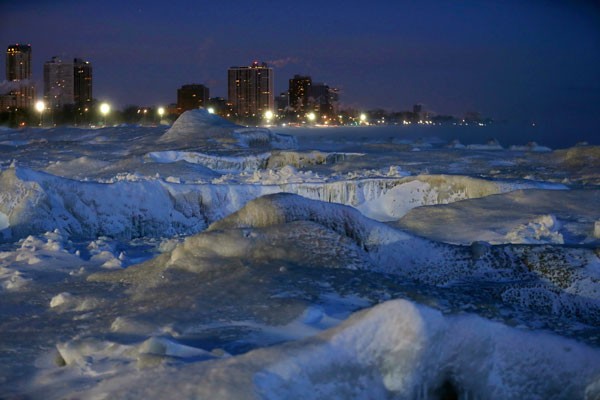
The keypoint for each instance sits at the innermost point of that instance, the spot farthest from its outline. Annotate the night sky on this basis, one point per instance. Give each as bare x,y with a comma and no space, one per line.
520,60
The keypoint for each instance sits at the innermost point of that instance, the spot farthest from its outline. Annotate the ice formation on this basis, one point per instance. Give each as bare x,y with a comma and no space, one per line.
210,260
521,216
198,126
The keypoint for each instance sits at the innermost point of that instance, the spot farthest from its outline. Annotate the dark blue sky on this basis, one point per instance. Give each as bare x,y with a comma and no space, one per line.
527,59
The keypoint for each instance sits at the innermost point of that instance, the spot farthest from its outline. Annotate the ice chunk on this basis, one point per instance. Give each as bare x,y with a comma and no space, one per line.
11,279
65,301
164,347
542,229
61,299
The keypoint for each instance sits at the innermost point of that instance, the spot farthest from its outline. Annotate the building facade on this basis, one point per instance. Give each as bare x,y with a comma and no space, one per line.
82,83
58,83
18,75
190,97
250,89
299,92
324,99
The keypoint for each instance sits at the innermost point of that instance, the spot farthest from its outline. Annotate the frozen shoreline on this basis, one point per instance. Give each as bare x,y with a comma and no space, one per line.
212,260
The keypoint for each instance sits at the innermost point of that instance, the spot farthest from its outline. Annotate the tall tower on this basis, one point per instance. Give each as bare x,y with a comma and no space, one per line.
58,83
18,73
299,92
82,82
250,89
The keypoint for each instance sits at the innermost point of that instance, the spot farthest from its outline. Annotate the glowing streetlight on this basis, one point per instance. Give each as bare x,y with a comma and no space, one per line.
363,118
40,106
160,111
311,116
104,110
211,110
268,115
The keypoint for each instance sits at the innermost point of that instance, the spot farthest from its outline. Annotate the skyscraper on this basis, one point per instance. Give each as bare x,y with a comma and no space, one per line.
82,82
58,83
324,98
190,97
18,75
250,89
299,92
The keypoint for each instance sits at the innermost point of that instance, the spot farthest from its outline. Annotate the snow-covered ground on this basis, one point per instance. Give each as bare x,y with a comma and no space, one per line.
209,260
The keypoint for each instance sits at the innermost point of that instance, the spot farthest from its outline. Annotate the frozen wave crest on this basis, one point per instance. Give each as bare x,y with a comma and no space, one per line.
564,277
216,163
35,202
398,349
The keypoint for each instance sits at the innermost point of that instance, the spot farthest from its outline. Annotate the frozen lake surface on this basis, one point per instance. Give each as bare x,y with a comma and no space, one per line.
208,260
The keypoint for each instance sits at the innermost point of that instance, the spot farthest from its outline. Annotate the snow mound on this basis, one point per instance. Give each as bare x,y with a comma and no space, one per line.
396,349
282,208
199,123
197,126
396,252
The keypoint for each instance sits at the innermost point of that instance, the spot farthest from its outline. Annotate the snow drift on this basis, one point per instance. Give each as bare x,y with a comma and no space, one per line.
396,349
199,127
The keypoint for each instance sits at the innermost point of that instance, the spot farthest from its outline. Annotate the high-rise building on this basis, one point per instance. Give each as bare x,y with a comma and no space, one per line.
324,98
299,92
82,82
250,89
18,75
282,103
58,83
192,96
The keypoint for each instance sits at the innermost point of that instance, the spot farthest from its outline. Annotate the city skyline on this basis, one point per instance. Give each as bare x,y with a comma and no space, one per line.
507,59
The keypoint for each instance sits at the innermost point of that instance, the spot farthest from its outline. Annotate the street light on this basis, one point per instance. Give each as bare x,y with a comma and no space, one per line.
268,115
311,116
211,110
161,112
363,118
104,110
40,106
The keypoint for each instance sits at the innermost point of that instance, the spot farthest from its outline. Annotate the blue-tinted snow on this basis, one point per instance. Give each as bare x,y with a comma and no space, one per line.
209,260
